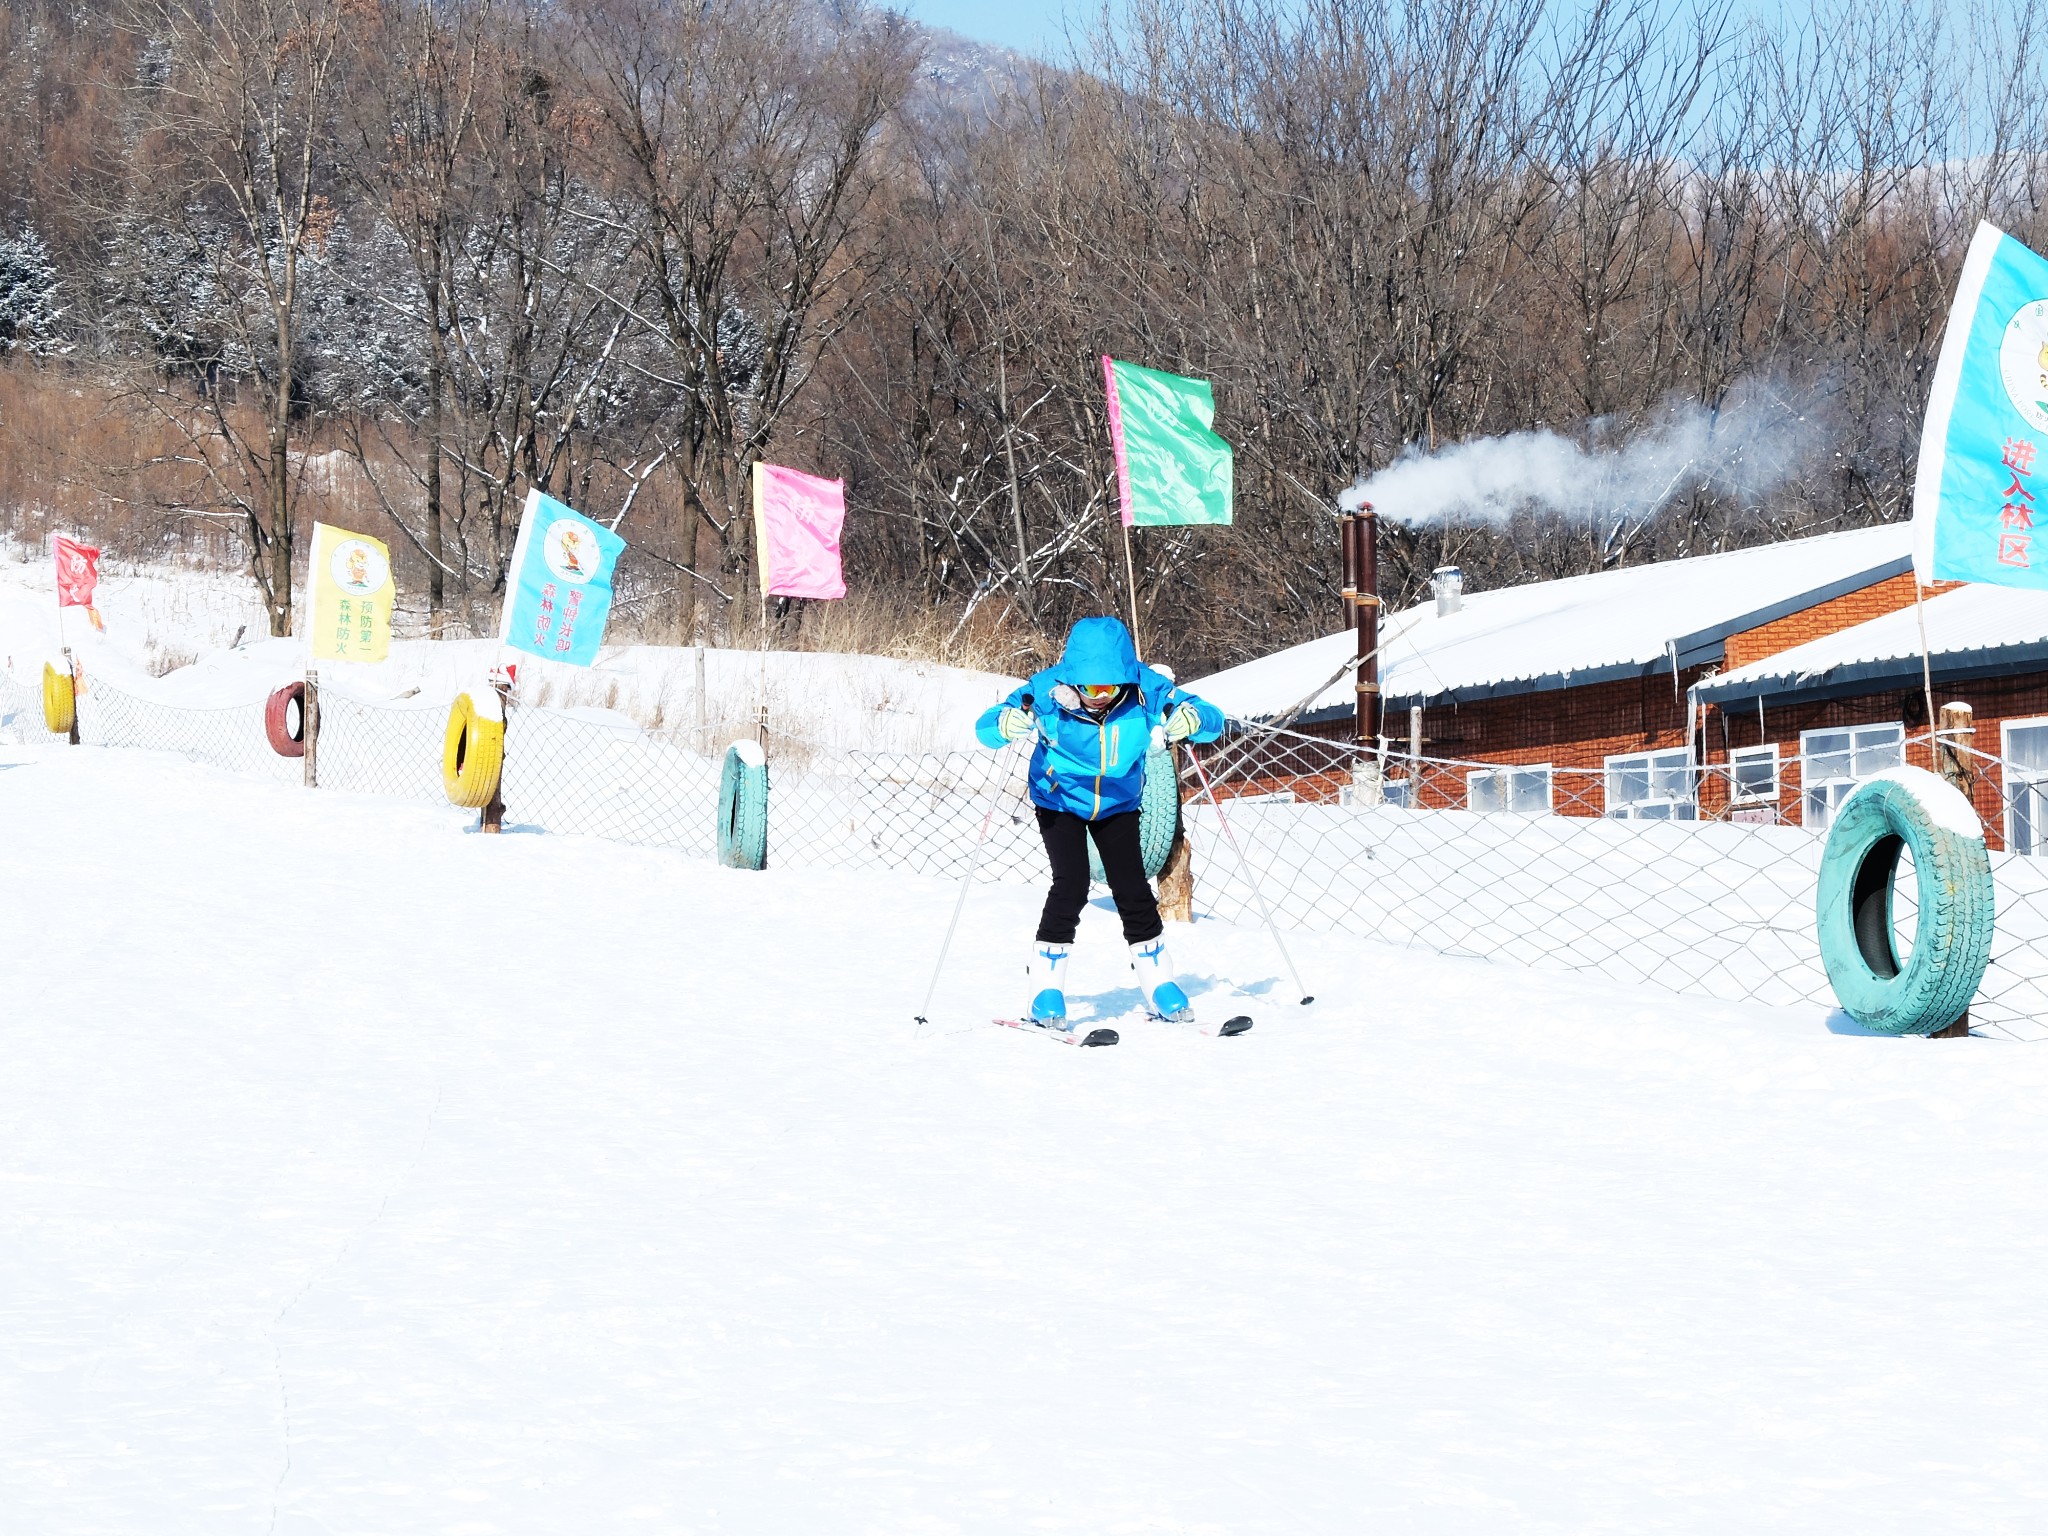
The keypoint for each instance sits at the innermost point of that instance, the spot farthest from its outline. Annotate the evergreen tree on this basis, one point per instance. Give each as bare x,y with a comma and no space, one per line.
29,311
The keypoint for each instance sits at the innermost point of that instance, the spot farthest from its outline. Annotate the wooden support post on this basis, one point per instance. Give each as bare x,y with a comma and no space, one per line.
1177,876
494,813
1960,1030
1953,738
703,710
309,728
71,668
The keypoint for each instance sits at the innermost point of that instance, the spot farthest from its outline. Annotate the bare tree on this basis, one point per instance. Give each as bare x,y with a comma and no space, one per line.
738,152
415,132
240,173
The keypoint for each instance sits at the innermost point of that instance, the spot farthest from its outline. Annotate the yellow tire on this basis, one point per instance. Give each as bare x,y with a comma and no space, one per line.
60,702
473,756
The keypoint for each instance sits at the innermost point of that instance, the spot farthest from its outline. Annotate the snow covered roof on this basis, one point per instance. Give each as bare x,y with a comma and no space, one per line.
1557,634
1971,632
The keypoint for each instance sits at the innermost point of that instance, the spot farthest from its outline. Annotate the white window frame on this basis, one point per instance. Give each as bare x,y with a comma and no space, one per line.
2013,780
1634,810
1739,796
1549,788
1809,787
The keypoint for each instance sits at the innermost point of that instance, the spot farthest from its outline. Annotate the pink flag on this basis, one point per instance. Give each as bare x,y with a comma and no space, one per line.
797,518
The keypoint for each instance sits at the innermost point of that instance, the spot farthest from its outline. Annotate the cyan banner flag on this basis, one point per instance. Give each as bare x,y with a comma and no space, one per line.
559,592
1980,475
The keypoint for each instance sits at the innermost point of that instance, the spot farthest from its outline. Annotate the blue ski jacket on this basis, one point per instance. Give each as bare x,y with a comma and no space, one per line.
1089,765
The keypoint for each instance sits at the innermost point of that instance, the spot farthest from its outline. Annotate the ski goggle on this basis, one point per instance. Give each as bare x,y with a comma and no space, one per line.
1100,693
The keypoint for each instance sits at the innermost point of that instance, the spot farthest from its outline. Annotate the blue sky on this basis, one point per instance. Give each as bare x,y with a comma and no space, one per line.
1030,26
1035,26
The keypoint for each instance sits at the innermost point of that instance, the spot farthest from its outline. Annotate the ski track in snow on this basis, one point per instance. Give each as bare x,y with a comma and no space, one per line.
359,1174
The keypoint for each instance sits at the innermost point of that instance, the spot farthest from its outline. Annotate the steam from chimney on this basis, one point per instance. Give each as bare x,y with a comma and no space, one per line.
1748,448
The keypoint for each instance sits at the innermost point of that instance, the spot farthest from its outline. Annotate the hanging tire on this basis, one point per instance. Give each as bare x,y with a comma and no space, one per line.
60,701
1158,816
279,712
743,807
472,756
1905,808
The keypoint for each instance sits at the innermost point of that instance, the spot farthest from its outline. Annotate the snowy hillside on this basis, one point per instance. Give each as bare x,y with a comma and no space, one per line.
362,1174
188,621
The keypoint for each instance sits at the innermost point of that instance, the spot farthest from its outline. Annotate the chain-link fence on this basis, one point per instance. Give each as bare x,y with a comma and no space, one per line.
21,714
392,747
227,736
1698,879
1652,870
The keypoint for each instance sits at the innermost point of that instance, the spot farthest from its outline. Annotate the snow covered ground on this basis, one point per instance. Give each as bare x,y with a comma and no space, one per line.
360,1174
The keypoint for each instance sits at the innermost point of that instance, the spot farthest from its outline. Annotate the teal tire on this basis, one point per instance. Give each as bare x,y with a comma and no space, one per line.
1158,816
1906,808
743,808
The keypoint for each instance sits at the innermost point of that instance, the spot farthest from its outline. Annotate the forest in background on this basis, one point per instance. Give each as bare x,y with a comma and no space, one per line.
389,263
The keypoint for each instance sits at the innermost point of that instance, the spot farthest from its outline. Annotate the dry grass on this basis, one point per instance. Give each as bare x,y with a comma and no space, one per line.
83,453
876,622
165,658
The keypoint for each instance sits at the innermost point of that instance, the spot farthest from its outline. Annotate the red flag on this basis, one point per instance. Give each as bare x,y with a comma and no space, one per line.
78,571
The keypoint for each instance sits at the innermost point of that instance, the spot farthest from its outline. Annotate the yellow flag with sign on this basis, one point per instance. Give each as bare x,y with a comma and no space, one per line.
352,596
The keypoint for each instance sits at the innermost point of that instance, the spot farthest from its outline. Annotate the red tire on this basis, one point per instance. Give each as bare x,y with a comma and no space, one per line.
284,724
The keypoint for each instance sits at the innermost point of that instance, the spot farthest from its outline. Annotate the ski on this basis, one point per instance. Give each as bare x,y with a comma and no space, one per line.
1065,1036
1235,1025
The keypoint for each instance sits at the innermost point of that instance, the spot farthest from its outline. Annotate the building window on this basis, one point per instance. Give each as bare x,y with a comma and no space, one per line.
1837,761
1652,786
1526,790
1753,773
2026,786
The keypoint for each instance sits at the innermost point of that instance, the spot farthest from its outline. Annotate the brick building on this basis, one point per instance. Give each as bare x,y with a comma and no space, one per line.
1798,728
1589,673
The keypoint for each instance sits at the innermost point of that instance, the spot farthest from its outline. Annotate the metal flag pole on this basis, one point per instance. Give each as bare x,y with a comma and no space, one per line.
1131,585
1926,665
63,639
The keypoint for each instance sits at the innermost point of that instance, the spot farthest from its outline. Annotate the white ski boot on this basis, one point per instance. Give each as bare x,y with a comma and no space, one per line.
1156,981
1048,984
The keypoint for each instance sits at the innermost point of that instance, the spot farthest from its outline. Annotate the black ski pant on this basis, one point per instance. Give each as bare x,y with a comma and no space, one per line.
1123,861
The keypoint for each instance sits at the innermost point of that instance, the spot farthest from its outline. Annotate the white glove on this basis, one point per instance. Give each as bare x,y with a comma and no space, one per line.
1183,722
1014,724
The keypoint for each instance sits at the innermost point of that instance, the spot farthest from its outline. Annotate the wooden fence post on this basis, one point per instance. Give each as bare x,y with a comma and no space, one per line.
309,727
71,667
1177,876
494,813
1952,739
703,709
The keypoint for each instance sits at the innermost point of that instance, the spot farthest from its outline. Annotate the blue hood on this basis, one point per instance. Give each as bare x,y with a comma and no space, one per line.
1094,766
1098,651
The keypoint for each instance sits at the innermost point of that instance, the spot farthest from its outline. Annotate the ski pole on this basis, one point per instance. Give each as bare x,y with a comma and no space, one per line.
1250,879
959,906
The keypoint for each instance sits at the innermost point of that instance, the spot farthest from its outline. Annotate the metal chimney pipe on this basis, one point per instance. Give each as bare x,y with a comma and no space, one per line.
1366,610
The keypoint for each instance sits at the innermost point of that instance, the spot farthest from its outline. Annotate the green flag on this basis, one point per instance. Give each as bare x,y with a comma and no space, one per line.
1170,467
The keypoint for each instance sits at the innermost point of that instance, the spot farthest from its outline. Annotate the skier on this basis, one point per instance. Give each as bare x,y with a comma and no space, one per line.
1096,713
